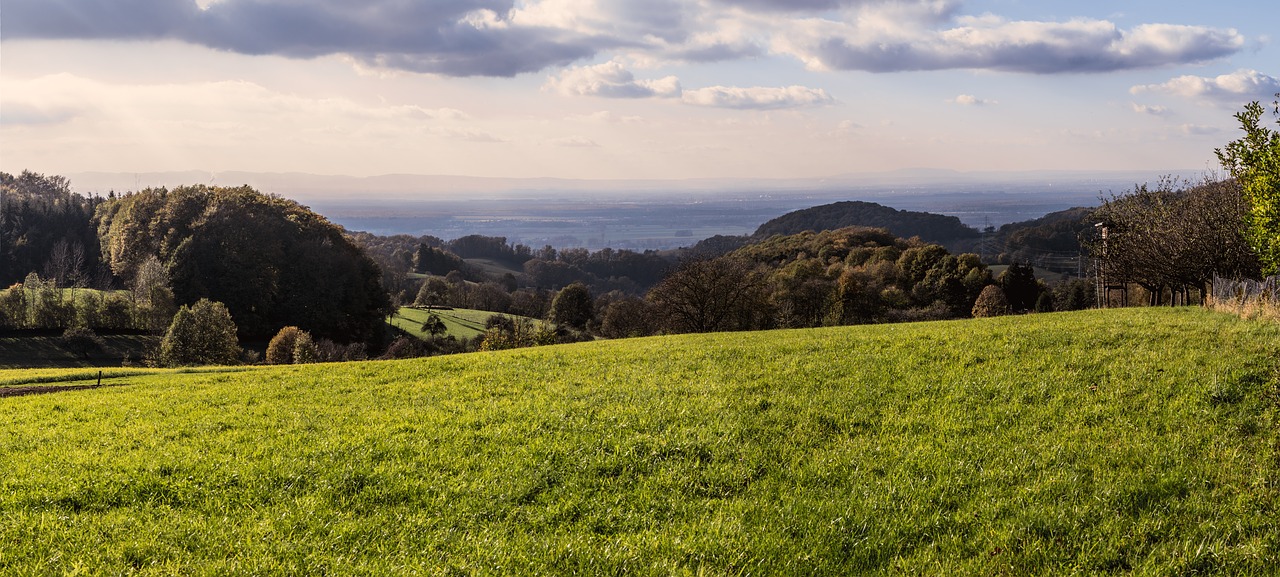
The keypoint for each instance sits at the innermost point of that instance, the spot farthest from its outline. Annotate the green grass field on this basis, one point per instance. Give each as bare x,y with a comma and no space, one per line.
1138,441
462,323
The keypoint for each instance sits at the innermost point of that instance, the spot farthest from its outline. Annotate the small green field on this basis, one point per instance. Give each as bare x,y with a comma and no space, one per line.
493,267
1138,441
462,323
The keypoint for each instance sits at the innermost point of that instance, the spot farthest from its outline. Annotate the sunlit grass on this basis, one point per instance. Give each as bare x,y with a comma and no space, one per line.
461,323
1138,441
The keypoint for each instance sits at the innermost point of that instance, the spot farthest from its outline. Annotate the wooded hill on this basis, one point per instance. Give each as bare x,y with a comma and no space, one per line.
929,227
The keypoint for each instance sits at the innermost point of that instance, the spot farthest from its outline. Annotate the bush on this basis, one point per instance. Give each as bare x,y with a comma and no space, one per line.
304,349
201,334
991,303
280,349
82,341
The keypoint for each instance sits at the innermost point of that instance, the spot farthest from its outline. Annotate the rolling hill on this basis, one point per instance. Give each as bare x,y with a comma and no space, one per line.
929,227
1116,441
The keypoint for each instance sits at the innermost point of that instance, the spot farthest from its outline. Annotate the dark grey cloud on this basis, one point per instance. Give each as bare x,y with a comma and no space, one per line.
95,19
1029,47
716,52
452,37
495,38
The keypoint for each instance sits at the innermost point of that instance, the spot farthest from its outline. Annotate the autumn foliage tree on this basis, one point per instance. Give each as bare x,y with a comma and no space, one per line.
991,303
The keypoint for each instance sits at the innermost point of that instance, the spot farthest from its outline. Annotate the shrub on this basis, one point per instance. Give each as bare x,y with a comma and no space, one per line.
280,349
200,334
304,349
82,341
991,303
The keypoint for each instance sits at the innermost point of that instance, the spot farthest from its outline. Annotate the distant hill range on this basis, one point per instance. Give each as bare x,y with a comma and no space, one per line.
1051,242
935,228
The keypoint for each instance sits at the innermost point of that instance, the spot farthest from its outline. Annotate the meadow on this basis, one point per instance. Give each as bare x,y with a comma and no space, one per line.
461,323
1135,441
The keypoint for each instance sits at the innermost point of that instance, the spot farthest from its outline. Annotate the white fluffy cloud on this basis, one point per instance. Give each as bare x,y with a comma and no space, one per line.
971,100
1231,89
1149,109
757,97
611,80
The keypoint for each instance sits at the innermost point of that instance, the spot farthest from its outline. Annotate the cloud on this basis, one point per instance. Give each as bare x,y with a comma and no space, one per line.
574,142
611,80
971,100
451,37
231,106
1199,130
510,37
876,44
817,5
1151,109
605,117
1230,89
34,114
757,98
633,22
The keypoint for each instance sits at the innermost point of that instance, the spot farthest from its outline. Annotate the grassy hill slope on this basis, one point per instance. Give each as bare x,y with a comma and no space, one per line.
1141,440
462,323
48,351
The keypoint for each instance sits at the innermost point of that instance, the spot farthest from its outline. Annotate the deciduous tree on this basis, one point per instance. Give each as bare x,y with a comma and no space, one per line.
572,306
200,334
1254,161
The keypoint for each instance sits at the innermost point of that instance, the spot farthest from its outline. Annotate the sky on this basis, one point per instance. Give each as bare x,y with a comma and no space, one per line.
627,89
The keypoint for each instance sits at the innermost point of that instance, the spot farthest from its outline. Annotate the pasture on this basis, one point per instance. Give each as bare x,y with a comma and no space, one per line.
462,323
1138,441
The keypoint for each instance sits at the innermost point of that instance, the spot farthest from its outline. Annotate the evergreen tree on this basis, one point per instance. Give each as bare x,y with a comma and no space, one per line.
1020,287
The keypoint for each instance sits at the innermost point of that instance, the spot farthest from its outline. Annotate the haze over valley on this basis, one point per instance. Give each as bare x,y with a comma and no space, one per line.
643,214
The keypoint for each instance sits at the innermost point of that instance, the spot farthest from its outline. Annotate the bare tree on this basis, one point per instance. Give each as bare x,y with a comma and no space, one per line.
712,295
1174,237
